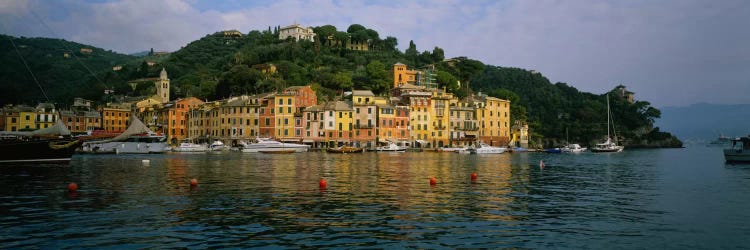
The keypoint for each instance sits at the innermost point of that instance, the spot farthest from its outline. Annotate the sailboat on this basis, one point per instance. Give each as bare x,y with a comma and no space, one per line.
48,144
137,139
609,145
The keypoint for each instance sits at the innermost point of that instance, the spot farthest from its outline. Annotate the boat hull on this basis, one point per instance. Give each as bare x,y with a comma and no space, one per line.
734,155
269,149
38,150
606,150
126,148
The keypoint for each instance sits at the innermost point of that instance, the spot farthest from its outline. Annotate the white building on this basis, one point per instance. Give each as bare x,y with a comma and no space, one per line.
297,32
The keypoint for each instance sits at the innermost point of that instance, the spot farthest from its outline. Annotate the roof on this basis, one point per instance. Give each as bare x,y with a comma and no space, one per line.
313,108
399,64
338,106
362,93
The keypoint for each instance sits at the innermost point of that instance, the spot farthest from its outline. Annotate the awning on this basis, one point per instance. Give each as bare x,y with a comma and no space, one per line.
290,140
422,141
308,141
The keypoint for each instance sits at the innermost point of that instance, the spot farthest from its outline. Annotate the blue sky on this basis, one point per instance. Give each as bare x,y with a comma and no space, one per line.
671,53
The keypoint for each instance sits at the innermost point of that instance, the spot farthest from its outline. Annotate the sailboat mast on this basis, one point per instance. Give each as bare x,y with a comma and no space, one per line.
608,117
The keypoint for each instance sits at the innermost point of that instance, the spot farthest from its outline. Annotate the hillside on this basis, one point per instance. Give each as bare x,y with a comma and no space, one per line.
217,66
62,77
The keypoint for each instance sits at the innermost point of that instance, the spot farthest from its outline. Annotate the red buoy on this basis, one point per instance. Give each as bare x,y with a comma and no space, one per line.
322,183
72,187
473,176
433,181
193,182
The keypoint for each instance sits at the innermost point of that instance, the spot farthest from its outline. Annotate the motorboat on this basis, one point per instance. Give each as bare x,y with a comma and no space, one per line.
189,146
573,148
739,150
451,149
43,145
217,145
266,144
391,147
483,148
137,139
345,149
553,150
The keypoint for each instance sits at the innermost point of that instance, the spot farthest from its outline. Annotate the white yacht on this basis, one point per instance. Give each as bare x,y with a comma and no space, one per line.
391,147
137,139
218,146
740,150
573,148
269,145
483,148
189,146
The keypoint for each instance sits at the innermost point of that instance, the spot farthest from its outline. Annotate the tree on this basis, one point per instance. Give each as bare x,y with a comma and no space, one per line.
354,28
412,52
438,54
377,76
390,43
447,81
342,80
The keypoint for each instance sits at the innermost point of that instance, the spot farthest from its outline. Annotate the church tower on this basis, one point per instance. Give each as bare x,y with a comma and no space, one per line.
162,87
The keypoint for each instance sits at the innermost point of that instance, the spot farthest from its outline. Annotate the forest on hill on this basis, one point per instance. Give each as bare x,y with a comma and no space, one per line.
218,66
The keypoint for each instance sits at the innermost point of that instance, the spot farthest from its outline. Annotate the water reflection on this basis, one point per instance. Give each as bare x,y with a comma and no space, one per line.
372,200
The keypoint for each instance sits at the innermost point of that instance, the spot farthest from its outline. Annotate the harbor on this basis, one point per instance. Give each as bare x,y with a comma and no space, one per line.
656,198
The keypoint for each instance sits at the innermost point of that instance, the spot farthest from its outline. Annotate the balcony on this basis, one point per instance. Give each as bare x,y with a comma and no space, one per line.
364,126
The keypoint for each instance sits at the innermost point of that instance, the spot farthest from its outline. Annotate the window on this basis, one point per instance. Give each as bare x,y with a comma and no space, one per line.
289,109
369,110
286,121
268,122
281,101
281,110
289,101
357,110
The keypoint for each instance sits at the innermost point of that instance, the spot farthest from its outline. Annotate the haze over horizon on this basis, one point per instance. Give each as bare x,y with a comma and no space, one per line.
670,53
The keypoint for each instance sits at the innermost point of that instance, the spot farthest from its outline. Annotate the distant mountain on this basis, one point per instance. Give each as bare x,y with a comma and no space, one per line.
705,121
140,54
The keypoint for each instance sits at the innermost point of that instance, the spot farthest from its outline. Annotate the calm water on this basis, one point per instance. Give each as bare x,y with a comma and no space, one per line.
667,198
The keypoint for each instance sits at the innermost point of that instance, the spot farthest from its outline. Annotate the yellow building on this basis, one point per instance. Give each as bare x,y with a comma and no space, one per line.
493,115
242,118
440,113
420,118
463,123
46,115
338,117
19,118
284,105
115,117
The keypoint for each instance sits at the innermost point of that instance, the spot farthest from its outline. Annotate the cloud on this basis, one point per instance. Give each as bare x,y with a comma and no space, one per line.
694,50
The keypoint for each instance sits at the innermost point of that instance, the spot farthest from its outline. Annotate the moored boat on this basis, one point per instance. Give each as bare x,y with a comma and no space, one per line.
49,144
391,147
345,149
137,139
739,150
573,148
218,146
266,144
278,151
483,148
189,146
608,145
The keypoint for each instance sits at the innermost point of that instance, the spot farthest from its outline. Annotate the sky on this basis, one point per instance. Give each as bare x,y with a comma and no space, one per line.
670,53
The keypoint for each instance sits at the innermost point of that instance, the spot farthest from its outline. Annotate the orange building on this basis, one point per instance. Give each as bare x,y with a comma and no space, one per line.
174,118
267,117
115,117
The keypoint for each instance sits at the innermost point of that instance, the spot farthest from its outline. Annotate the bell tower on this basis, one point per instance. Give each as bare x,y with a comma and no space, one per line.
162,86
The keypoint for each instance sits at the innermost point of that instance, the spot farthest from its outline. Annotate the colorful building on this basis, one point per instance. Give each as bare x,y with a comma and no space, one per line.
173,118
338,123
365,118
314,131
493,115
115,117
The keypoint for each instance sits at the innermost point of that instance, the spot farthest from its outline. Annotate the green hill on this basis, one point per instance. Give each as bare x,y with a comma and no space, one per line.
62,77
217,66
